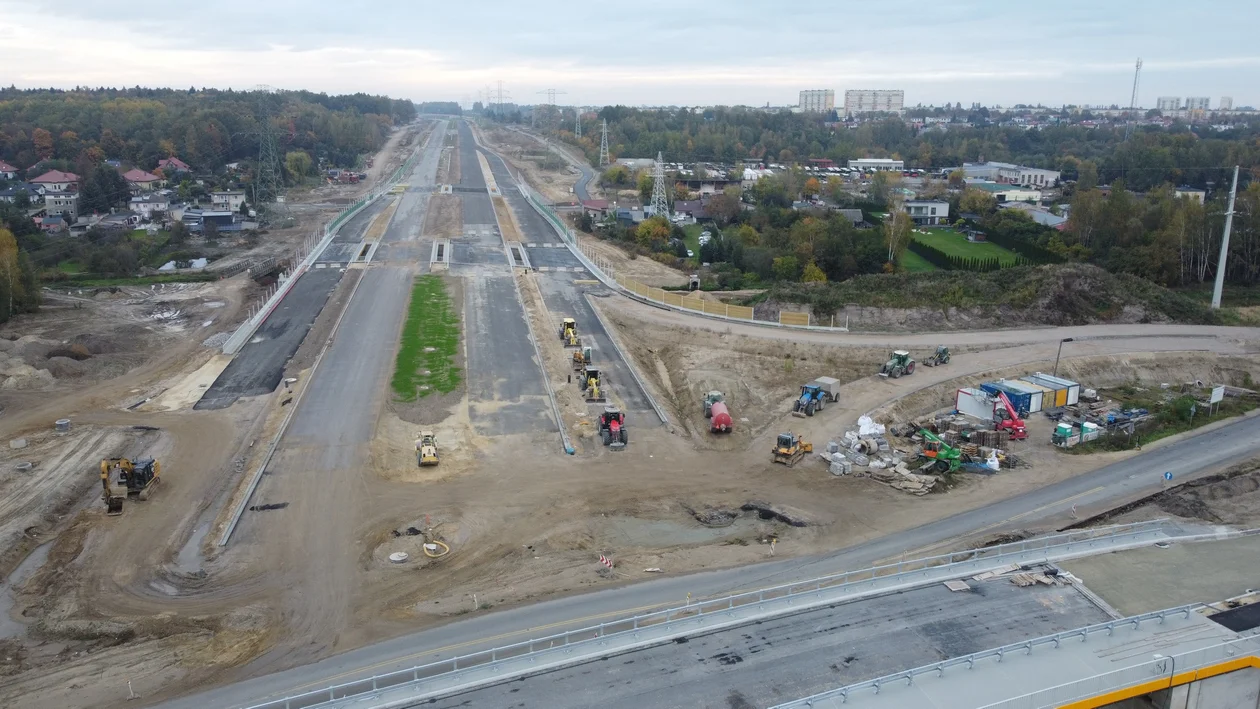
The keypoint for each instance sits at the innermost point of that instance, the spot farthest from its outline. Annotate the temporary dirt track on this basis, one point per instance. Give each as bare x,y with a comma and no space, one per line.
524,521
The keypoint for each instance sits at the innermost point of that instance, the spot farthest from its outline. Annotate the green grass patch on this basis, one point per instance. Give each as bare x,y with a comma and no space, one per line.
430,341
70,266
692,240
956,244
914,263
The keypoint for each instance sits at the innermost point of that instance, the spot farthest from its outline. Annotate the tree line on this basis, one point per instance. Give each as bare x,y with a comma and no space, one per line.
1151,156
79,129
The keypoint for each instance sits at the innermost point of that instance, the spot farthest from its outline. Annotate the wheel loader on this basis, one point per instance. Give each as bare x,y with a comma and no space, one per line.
940,356
568,333
122,478
426,449
591,385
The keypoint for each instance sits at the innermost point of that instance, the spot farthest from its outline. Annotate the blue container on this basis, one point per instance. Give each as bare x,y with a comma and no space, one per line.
1021,400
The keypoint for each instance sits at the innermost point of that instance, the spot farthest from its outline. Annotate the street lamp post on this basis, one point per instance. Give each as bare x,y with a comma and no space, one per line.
1060,354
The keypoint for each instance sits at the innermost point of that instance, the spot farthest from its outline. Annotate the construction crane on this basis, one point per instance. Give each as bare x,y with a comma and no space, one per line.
1137,76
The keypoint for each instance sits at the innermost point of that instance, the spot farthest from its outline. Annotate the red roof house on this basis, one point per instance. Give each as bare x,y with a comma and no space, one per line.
57,181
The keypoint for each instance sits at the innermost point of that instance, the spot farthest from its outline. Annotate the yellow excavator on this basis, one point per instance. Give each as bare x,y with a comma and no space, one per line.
122,478
568,333
426,449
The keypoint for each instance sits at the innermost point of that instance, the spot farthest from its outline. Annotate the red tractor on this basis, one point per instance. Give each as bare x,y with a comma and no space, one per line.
612,428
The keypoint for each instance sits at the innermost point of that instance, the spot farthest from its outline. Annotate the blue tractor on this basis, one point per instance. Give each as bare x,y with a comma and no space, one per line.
813,398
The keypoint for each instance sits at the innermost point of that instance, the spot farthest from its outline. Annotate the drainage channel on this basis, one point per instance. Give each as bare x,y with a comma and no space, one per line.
518,255
440,255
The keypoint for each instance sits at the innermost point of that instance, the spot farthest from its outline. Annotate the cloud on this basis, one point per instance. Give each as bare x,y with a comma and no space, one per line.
736,51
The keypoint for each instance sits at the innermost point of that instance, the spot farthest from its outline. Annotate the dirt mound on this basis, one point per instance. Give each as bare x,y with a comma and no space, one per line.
94,344
1072,294
65,367
76,352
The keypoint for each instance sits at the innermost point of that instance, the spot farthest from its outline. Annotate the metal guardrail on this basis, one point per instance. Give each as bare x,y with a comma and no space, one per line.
1143,671
538,654
246,330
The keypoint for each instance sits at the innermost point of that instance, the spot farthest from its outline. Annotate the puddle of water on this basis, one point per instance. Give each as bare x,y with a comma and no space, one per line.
10,628
163,587
663,533
189,559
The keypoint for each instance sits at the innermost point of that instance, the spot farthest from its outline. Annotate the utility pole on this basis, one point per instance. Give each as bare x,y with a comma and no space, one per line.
603,145
1220,262
1137,74
660,202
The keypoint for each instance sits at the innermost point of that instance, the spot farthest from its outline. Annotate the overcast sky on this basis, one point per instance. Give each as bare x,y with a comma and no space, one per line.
647,52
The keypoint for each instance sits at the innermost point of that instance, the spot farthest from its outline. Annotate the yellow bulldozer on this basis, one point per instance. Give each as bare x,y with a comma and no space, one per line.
426,449
789,448
568,333
122,478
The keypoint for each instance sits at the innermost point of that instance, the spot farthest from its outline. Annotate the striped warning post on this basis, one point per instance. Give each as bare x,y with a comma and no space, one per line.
605,561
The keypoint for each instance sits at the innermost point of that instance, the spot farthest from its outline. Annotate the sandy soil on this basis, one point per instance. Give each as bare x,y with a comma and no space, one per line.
448,166
445,217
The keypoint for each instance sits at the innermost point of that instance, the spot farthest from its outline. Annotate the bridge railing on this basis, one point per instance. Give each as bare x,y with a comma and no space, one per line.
625,634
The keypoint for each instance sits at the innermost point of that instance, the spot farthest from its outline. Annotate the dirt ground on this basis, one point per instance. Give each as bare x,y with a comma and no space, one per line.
448,166
445,217
525,155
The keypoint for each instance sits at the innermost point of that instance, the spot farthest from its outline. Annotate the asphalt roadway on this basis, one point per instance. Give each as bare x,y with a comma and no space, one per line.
1050,506
505,385
563,297
258,367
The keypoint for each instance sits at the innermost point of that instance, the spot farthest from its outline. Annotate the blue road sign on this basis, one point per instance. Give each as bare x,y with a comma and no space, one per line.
1168,476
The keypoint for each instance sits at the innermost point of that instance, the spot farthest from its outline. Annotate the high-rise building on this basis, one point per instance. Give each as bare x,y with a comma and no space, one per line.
858,101
1197,103
1226,104
1168,103
818,100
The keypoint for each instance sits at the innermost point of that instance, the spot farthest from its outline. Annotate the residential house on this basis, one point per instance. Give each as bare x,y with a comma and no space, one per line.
147,204
1193,193
595,208
1007,193
33,193
629,217
693,208
170,166
57,181
65,204
51,225
141,181
925,212
1041,216
7,171
230,200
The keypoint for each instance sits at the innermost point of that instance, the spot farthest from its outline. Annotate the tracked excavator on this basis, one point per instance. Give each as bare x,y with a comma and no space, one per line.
122,478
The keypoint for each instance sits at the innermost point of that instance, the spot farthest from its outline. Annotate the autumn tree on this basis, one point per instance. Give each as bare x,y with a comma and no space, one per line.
19,292
645,187
812,187
43,143
786,268
652,233
298,163
813,274
977,201
896,235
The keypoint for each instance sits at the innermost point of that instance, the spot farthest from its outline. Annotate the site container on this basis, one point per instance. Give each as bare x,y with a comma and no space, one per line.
1034,393
1021,400
1066,391
975,403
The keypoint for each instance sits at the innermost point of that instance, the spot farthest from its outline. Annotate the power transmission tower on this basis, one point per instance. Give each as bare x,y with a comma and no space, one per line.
553,117
577,122
498,99
660,202
603,145
1220,262
1137,75
269,177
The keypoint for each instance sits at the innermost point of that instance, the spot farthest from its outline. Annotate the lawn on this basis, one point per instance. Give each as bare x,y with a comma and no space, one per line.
955,244
430,340
693,237
70,266
914,263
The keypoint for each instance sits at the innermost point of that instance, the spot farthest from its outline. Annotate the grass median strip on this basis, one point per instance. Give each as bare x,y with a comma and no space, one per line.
430,341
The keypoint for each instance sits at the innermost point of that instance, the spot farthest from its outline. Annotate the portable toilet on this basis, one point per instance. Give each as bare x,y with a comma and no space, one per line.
1034,393
1066,391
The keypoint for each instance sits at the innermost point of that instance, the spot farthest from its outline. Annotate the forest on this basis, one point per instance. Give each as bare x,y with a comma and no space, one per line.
207,128
1149,157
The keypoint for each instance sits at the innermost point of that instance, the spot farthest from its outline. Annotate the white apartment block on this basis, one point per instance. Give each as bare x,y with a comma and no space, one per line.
1226,104
1197,103
858,101
818,100
1168,103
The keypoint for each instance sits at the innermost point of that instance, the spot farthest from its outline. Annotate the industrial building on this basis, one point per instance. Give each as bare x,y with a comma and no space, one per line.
869,164
859,101
1010,174
818,100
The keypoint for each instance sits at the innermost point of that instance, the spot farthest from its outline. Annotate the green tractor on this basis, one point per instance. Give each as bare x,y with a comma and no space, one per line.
941,356
710,399
944,458
899,363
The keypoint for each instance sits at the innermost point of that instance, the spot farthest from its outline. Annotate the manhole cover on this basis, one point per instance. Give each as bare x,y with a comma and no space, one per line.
24,467
398,557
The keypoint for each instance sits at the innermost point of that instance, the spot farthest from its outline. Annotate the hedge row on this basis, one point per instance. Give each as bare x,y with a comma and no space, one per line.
1035,254
949,262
